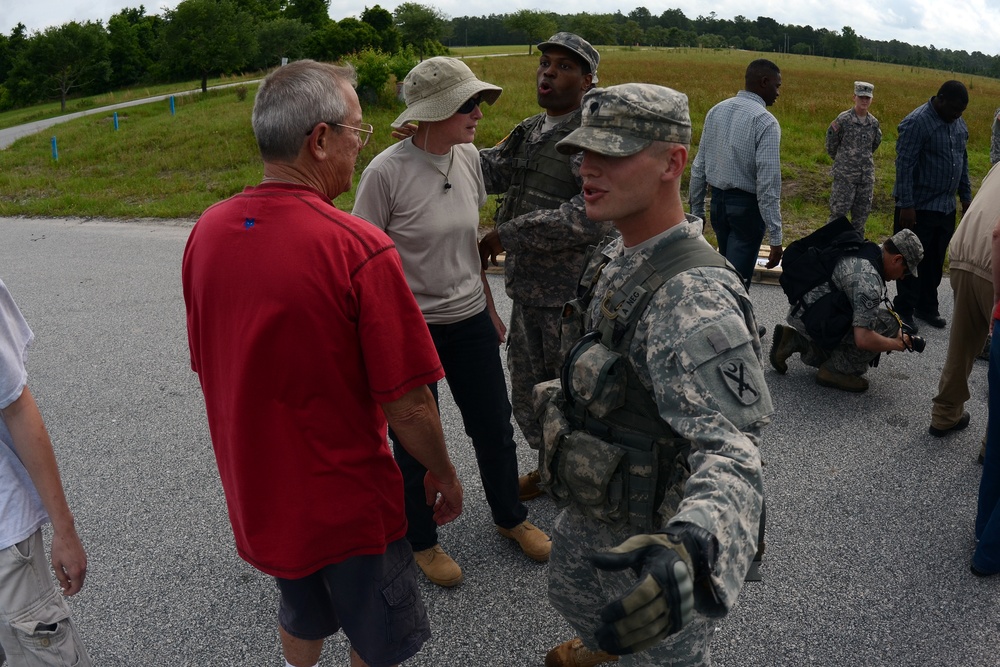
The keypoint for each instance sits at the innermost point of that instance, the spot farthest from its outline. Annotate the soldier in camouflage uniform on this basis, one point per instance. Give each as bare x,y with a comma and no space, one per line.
851,140
875,328
541,223
650,439
995,138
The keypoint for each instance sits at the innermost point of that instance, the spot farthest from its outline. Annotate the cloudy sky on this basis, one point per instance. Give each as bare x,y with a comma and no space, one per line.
972,25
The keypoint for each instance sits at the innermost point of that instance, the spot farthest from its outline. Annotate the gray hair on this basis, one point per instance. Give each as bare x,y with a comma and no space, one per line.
294,99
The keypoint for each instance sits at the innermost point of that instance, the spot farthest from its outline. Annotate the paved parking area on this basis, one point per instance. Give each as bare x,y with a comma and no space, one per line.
870,519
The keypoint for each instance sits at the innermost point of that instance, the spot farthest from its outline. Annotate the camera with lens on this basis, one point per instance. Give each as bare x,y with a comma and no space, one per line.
917,344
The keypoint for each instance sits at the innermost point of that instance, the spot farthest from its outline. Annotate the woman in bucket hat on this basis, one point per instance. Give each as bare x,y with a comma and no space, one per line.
425,193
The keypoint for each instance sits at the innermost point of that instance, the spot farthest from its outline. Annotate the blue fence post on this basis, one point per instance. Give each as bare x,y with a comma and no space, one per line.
171,105
116,121
55,150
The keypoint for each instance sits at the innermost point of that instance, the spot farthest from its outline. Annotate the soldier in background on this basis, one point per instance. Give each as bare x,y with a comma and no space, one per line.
541,224
851,140
995,138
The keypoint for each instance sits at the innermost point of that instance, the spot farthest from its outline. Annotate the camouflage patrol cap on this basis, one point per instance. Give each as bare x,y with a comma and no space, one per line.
622,120
863,89
577,45
910,248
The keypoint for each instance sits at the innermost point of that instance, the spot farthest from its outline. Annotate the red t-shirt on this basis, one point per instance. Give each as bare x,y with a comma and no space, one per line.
300,323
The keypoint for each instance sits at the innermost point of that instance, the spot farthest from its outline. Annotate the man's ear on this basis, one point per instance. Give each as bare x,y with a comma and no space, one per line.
675,159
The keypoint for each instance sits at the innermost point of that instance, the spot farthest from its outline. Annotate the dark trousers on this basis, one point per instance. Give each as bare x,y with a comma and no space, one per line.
934,230
739,229
470,355
986,557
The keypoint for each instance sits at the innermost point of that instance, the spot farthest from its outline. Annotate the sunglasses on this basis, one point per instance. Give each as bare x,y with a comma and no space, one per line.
470,104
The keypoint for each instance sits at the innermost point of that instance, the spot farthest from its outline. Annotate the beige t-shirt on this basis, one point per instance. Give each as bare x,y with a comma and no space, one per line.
435,229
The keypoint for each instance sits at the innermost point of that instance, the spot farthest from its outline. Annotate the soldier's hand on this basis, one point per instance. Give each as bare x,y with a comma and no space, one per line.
404,132
659,604
774,257
489,247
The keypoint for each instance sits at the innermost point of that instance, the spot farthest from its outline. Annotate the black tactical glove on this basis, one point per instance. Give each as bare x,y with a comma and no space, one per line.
662,600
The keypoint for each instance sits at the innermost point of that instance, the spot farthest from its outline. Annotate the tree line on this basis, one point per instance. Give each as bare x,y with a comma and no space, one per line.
204,38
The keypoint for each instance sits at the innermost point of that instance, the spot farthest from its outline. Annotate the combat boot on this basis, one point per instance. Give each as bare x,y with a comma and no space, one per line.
439,567
574,654
828,377
786,342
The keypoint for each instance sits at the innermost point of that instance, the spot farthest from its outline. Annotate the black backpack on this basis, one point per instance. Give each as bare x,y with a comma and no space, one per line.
808,263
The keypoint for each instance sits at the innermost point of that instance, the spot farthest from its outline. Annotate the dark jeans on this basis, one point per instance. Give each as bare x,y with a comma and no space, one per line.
987,555
934,230
470,355
739,229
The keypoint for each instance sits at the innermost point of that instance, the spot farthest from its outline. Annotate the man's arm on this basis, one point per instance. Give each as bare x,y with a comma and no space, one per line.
908,145
768,162
698,186
498,169
866,339
877,141
834,135
414,418
34,448
553,229
964,184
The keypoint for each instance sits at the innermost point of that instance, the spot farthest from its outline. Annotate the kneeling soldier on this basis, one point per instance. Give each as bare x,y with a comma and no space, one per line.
650,436
859,283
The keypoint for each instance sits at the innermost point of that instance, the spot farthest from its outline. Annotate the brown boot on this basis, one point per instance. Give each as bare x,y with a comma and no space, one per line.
527,486
535,544
831,378
786,342
574,654
438,567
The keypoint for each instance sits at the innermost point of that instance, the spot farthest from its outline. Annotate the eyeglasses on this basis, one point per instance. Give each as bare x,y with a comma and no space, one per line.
470,104
364,132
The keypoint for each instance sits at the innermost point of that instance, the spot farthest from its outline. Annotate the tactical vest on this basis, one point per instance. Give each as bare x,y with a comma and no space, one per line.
612,454
542,175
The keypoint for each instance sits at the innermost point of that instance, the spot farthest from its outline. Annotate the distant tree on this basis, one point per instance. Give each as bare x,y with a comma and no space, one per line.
641,16
595,28
801,48
262,10
133,41
280,38
206,37
630,33
59,60
535,26
711,41
753,43
674,18
421,26
315,13
381,20
849,43
656,35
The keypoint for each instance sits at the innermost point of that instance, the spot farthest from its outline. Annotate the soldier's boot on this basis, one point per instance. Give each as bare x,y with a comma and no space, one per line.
828,377
527,486
786,342
574,654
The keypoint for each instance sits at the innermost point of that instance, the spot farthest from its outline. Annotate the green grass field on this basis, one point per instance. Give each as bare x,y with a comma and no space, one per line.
162,166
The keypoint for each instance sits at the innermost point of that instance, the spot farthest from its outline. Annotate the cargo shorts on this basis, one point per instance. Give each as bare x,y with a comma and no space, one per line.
35,626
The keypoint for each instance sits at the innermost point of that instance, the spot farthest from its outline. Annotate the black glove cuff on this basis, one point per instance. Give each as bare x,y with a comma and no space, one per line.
701,545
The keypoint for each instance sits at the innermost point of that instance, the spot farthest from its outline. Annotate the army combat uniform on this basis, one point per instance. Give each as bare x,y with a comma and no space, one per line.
866,290
543,225
663,433
851,141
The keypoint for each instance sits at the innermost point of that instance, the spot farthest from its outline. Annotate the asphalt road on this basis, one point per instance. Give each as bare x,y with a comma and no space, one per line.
870,520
